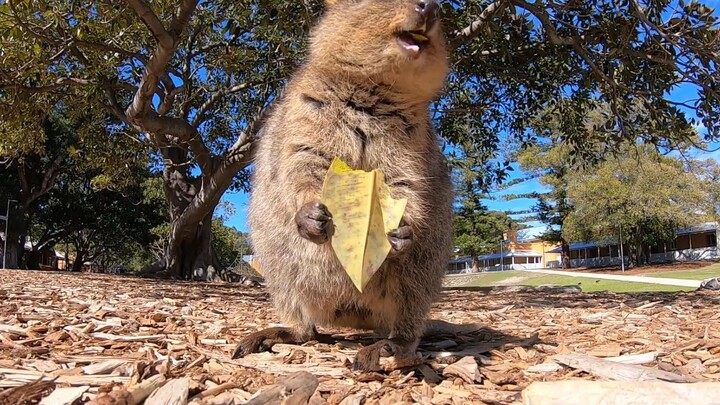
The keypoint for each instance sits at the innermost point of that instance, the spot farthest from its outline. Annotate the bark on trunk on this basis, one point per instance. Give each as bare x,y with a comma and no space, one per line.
565,254
14,253
190,255
32,260
639,251
78,262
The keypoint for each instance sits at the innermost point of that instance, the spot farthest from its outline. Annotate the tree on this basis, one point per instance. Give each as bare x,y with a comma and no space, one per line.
515,60
194,80
550,164
229,243
640,193
95,218
476,230
708,171
32,167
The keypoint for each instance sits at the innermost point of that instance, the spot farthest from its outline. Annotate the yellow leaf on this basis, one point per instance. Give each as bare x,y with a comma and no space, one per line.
363,213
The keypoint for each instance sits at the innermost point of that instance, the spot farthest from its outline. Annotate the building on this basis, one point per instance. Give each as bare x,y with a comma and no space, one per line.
516,254
50,259
698,242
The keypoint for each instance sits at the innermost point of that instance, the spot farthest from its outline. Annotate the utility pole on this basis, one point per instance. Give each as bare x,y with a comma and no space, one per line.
502,240
7,221
622,256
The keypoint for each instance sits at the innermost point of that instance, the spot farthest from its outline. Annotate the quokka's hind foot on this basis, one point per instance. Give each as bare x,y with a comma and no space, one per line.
264,340
403,353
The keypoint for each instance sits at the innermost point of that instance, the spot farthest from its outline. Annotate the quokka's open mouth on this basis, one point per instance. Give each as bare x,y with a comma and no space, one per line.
413,41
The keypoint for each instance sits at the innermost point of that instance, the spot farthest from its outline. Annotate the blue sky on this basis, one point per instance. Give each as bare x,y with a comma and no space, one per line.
240,199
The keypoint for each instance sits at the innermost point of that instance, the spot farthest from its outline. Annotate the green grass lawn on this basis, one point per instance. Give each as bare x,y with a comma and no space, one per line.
591,284
701,274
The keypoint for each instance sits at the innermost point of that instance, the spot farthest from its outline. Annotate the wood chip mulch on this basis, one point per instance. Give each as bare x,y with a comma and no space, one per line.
111,340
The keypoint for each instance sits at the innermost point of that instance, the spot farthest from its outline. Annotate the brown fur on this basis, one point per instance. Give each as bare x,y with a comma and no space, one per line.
359,96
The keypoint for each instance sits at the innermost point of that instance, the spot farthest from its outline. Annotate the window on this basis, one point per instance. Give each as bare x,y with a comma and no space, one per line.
711,240
683,242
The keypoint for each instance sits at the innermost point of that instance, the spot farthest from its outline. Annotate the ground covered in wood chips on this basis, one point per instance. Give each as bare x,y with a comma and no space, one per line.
101,339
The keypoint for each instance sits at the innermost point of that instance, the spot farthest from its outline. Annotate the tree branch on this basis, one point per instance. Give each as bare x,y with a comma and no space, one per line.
153,23
217,96
47,182
156,67
238,157
58,84
473,30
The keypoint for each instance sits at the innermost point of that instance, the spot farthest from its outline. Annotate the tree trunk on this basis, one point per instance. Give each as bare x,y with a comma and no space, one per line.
639,251
14,253
17,235
78,262
32,259
190,255
565,254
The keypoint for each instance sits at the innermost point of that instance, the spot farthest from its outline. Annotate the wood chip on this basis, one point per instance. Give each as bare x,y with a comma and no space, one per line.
174,392
14,330
103,367
296,388
122,337
64,396
637,359
116,338
617,371
355,399
465,368
619,393
544,368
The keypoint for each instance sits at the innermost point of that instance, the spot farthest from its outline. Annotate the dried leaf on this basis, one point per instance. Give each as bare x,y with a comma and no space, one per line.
363,213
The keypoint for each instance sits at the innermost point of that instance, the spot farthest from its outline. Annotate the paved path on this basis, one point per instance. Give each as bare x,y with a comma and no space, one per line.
636,279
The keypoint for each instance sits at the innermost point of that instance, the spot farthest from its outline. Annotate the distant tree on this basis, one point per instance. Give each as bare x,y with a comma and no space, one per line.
31,168
640,193
550,164
708,171
97,219
476,230
479,231
229,243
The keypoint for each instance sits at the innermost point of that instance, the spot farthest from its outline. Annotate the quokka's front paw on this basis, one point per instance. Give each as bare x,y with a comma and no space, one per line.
314,222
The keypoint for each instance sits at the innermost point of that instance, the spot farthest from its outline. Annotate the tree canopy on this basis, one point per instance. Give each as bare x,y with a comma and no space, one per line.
192,81
644,195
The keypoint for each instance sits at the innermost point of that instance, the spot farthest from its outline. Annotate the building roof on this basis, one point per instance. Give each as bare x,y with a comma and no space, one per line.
704,227
579,245
517,253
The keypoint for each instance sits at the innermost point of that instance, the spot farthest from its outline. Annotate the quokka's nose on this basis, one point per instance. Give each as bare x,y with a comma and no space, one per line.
428,8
